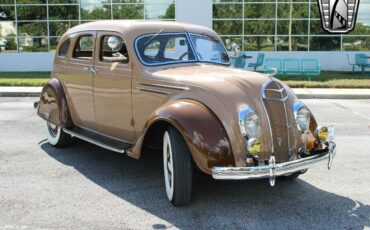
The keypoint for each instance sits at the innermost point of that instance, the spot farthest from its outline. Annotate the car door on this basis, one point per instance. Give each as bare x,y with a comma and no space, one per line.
112,86
78,79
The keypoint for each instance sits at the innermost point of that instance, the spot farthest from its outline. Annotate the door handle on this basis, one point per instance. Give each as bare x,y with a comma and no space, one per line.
90,68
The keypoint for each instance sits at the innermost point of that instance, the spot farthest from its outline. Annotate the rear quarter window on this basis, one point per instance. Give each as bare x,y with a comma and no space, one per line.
63,50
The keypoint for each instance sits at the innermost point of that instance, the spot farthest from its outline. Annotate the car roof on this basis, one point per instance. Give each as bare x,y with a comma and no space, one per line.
133,28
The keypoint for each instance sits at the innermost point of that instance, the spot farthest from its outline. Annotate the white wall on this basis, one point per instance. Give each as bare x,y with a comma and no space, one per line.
42,61
195,12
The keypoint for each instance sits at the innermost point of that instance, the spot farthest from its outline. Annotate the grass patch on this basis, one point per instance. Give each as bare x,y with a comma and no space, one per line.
19,75
339,83
23,81
325,80
328,80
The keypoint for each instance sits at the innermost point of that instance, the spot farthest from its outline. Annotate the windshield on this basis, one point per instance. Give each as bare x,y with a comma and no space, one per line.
158,49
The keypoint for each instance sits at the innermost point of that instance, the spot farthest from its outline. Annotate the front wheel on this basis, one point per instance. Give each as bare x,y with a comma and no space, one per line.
177,168
56,136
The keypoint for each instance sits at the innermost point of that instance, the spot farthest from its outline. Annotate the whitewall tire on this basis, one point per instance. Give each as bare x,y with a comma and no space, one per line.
177,167
56,136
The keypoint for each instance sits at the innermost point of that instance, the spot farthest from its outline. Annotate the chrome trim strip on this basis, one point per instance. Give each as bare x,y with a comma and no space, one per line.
273,170
164,86
269,123
153,90
74,134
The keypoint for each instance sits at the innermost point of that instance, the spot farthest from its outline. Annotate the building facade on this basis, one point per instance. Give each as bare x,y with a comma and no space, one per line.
30,29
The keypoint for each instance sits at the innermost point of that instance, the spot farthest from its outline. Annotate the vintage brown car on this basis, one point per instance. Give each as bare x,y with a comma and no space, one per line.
129,85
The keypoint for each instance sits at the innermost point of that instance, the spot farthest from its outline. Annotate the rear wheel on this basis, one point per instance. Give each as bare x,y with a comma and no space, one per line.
177,168
56,136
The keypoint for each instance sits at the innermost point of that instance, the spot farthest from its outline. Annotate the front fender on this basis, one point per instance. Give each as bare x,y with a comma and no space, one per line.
53,105
202,130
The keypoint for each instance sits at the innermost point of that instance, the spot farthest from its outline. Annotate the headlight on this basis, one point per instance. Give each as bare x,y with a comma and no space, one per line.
249,123
302,116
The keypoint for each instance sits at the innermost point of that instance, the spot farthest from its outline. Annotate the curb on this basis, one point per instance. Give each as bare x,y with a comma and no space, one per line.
19,94
333,96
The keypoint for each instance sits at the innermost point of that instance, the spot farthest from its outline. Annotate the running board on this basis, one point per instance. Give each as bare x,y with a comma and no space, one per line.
99,140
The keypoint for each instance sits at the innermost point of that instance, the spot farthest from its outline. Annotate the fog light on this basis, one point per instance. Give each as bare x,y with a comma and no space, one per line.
322,133
254,146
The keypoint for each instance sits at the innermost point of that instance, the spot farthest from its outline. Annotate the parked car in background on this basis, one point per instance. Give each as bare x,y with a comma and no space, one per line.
129,85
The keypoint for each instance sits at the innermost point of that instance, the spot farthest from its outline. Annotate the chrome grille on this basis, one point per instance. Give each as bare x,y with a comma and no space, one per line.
274,98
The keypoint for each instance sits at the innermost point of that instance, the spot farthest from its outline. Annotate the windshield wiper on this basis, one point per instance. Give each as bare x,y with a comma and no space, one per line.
154,36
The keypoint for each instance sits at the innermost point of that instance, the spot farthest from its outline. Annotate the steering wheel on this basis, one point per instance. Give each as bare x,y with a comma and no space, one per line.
184,54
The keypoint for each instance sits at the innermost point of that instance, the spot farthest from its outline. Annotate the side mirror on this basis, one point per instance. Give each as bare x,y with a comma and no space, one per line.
114,42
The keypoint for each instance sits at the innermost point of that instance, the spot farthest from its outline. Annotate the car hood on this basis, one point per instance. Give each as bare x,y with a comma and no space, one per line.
219,79
225,90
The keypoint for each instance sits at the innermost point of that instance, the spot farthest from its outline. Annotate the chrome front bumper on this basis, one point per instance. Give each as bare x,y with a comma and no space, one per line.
273,170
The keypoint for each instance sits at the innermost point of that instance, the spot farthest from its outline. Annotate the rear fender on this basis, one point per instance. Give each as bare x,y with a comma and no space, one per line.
53,106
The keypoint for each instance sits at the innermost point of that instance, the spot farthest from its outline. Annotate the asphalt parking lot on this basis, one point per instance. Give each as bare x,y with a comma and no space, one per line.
84,187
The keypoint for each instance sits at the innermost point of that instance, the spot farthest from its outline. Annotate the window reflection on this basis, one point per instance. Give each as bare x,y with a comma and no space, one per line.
60,27
265,27
259,10
62,12
228,11
358,43
7,13
8,44
328,43
32,28
7,29
124,11
292,10
292,43
228,27
33,44
259,43
31,12
160,9
294,27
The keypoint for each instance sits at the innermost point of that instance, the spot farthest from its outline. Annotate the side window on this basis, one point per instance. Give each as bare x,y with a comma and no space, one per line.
176,48
152,49
84,47
64,48
113,49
